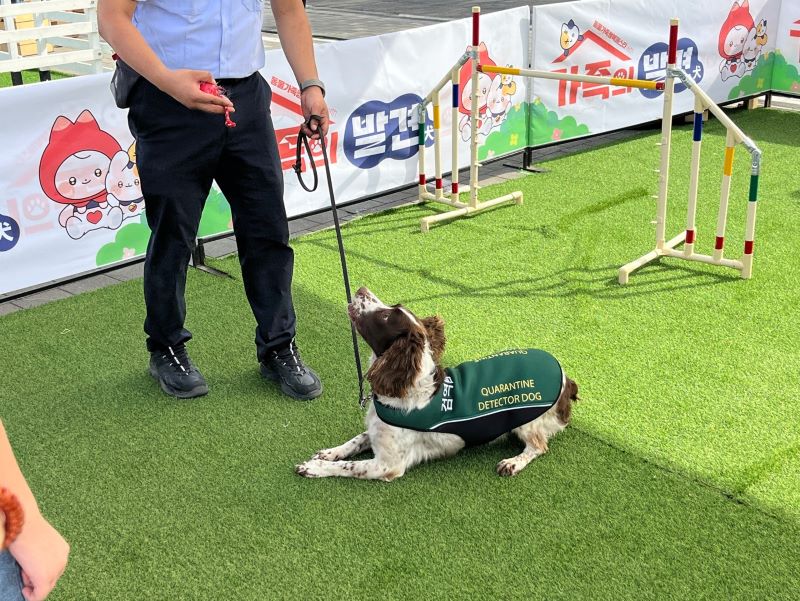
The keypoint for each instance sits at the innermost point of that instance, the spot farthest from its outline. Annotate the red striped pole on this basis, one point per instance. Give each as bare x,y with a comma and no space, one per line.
666,138
476,15
673,43
473,116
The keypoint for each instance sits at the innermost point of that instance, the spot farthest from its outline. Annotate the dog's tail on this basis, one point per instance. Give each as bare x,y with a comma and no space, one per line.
564,404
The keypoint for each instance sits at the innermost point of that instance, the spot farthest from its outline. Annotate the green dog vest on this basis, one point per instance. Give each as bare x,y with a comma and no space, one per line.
481,400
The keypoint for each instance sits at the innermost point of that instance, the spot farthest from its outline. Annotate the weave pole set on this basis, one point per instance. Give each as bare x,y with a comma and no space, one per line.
733,137
461,208
702,102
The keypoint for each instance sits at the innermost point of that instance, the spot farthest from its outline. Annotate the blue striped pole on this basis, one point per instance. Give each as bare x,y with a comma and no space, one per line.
454,133
694,176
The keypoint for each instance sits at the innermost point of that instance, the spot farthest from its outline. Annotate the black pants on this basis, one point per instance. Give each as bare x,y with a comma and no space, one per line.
179,152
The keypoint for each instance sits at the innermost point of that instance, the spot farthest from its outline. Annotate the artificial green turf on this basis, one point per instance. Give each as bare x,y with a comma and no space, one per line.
28,77
678,478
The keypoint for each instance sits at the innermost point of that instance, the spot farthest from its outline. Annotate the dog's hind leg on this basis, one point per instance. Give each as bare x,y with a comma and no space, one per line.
535,441
370,469
352,447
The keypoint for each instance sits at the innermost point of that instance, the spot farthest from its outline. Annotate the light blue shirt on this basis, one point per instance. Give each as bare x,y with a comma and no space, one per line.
221,36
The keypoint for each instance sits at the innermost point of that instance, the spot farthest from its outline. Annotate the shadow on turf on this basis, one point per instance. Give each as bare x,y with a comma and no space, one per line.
597,282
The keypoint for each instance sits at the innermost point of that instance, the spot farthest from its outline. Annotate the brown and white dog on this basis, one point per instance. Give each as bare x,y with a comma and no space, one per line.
405,374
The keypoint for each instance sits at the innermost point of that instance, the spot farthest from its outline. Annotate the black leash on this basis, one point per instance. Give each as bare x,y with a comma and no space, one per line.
302,140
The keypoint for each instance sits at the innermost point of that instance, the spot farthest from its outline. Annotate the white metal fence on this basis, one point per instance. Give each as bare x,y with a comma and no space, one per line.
50,34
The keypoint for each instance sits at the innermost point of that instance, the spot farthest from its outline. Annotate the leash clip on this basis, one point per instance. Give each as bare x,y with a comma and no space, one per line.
365,399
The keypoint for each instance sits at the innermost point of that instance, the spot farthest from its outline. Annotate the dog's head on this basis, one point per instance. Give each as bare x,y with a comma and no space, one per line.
404,345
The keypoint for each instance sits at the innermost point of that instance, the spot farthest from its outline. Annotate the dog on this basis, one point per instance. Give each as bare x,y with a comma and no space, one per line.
409,384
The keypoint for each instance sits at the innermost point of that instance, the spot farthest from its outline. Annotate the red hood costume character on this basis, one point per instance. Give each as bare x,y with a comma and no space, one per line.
732,37
465,89
73,171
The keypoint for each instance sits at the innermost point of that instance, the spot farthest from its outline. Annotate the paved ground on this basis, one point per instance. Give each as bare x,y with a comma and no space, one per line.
347,19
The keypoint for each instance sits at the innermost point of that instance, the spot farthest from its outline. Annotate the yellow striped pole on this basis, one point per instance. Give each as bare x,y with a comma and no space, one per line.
613,81
722,217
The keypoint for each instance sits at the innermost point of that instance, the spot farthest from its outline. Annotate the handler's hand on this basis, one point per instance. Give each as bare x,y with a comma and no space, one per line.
41,553
313,103
184,86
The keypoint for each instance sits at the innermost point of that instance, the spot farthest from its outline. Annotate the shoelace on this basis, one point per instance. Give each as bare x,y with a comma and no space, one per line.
290,357
179,359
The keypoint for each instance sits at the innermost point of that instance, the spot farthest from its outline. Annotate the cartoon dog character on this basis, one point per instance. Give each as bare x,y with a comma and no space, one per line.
751,50
497,102
122,184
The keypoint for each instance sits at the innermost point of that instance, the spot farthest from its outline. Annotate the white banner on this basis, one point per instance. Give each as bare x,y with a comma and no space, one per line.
726,46
71,201
786,73
374,86
71,198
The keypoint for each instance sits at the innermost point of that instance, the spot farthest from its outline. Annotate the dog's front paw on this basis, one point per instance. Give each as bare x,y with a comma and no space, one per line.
309,469
509,467
327,455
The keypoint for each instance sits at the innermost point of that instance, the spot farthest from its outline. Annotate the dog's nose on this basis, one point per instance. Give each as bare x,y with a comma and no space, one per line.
363,291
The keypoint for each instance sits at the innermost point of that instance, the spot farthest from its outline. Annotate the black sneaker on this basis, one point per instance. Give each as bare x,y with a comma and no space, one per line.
296,379
176,373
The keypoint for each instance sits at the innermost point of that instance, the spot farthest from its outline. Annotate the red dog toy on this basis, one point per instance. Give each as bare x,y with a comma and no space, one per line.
11,518
215,90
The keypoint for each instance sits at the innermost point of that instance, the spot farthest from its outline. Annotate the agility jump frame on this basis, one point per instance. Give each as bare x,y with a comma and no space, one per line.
702,102
472,55
438,195
734,136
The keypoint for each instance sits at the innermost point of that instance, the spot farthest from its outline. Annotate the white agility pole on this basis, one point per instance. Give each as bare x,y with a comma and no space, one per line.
666,136
612,81
437,150
473,113
694,176
724,195
454,136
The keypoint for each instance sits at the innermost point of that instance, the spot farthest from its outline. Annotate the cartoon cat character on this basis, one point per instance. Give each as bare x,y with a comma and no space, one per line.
123,187
732,39
761,33
73,170
570,35
509,85
484,85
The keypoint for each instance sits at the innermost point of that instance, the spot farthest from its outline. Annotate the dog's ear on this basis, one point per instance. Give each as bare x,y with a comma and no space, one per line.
395,371
434,327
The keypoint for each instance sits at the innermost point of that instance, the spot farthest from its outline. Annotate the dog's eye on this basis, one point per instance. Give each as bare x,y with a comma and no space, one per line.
385,317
